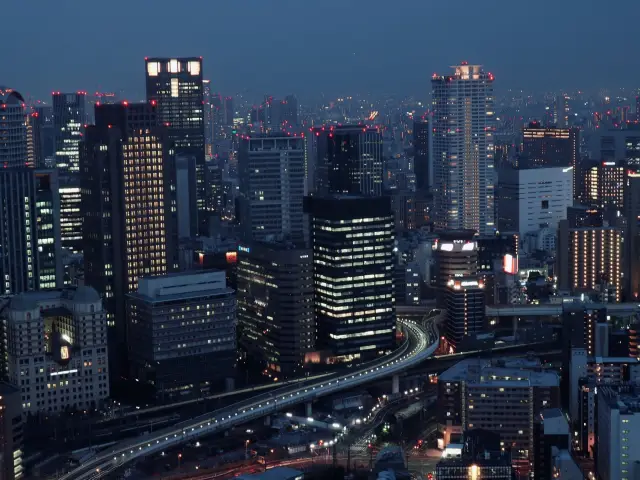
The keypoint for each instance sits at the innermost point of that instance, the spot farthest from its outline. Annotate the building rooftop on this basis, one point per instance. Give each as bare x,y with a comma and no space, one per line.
625,398
554,422
500,373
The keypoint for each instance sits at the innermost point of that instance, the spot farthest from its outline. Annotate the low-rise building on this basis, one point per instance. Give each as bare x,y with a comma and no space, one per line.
499,395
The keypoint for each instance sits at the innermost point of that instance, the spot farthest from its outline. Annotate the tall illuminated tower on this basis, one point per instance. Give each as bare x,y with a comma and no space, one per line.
68,123
177,86
463,149
128,206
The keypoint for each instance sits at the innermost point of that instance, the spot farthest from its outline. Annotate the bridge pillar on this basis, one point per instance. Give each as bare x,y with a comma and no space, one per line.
267,421
395,384
308,409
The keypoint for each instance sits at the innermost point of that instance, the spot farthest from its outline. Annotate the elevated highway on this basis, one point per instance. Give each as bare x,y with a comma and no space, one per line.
421,342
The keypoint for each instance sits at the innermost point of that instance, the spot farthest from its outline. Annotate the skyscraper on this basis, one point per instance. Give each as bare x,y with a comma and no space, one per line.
129,225
271,171
228,111
29,231
348,160
176,85
208,118
463,150
421,132
13,129
43,137
590,259
275,304
290,111
550,146
353,259
68,123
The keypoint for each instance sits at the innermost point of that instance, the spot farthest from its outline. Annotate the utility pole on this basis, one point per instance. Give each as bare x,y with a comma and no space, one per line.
349,458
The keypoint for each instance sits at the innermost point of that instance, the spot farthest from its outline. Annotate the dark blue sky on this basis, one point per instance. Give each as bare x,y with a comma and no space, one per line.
310,47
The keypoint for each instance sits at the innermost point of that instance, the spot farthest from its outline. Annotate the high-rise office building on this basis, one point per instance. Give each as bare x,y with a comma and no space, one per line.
62,337
69,118
456,255
29,230
208,118
228,111
176,85
632,236
421,163
348,160
463,167
43,136
618,430
549,146
619,144
560,111
533,198
13,129
70,213
289,113
275,304
353,240
186,202
272,187
183,333
604,185
128,206
590,259
465,299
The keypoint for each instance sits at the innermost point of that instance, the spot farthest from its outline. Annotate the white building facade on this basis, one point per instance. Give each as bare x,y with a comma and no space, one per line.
533,199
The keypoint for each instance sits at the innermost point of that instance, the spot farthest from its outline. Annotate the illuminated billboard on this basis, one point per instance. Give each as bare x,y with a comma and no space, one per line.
510,264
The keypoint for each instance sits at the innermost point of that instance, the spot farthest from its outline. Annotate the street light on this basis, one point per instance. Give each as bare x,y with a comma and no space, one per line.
179,459
246,448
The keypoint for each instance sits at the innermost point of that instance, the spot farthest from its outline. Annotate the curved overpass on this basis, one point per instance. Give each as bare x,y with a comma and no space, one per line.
420,344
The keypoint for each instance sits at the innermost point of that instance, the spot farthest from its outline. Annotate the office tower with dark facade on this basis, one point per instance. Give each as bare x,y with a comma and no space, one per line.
620,144
272,187
590,259
129,221
552,147
421,163
68,123
29,230
348,160
11,433
275,304
208,118
289,111
13,129
176,85
604,186
228,111
456,255
463,169
43,136
182,329
632,236
353,260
